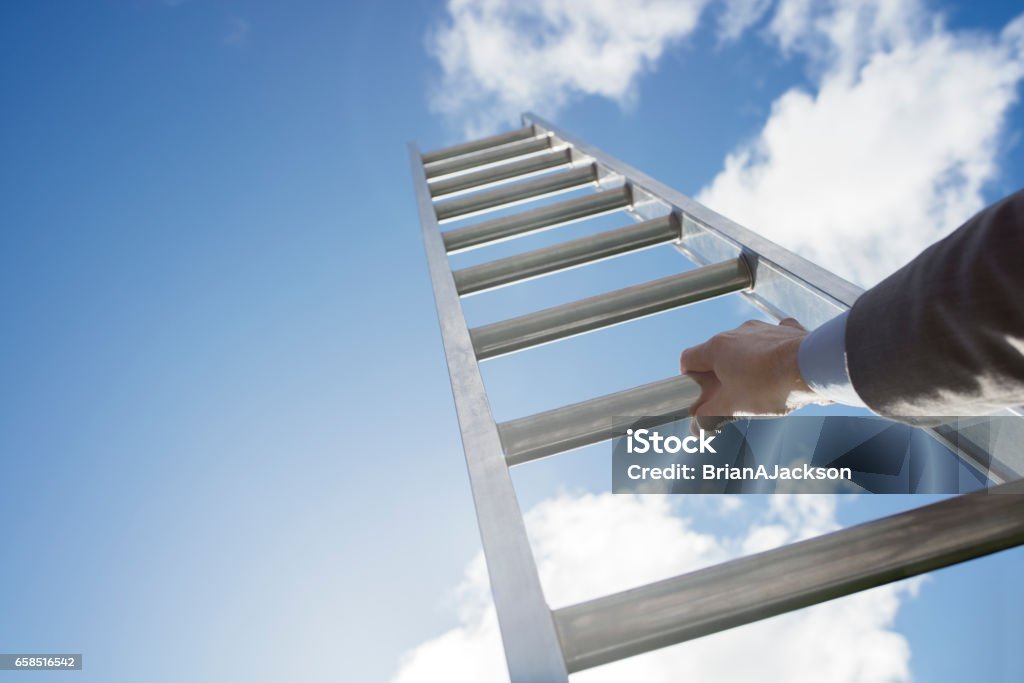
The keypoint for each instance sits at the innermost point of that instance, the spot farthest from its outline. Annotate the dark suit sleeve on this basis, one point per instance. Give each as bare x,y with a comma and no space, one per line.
944,335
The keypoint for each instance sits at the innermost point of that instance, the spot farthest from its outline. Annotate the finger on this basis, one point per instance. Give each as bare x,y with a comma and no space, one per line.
695,425
708,423
708,381
696,359
792,322
709,385
714,412
709,415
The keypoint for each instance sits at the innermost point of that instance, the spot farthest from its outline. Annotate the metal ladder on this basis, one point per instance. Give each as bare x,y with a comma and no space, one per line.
540,160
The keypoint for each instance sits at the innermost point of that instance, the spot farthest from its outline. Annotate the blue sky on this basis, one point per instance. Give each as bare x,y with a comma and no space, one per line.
228,443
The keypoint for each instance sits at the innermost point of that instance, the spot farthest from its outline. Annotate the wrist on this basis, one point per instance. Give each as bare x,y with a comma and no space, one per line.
799,393
822,363
796,378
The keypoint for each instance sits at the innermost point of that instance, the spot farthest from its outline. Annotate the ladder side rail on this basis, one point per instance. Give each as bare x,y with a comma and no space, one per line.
532,648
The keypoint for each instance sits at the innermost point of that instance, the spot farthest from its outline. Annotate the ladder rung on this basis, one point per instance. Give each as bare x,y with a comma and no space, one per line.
510,194
788,578
608,309
507,171
488,156
581,424
562,256
537,219
477,145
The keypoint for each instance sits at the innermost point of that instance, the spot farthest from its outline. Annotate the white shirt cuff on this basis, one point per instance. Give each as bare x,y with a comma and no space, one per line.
822,361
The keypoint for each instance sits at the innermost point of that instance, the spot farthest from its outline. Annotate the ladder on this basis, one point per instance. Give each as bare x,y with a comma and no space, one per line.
541,160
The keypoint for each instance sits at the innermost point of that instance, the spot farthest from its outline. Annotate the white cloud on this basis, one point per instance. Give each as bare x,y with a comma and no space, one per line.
888,151
739,15
500,57
894,147
595,544
847,31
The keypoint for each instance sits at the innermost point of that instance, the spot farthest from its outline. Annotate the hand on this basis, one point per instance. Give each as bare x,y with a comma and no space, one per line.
751,370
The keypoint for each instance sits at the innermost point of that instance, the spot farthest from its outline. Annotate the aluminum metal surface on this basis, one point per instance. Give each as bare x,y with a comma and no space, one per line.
516,192
581,424
488,156
834,293
513,169
527,629
479,144
791,577
689,606
567,255
630,303
534,220
787,285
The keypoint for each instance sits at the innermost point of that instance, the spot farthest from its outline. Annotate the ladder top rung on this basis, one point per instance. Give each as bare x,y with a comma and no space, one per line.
479,144
502,172
487,156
